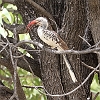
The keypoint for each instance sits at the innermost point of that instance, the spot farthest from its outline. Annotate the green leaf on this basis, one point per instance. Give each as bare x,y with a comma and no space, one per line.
1,23
7,14
95,86
12,17
11,6
20,19
0,1
3,32
5,5
98,97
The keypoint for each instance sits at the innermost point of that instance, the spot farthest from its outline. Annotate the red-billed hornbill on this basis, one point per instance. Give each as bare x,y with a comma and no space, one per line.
52,39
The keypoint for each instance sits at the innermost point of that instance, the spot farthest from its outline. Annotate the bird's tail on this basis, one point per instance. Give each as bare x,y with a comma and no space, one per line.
69,68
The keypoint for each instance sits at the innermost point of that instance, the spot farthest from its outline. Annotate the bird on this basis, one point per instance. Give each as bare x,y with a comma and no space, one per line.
52,39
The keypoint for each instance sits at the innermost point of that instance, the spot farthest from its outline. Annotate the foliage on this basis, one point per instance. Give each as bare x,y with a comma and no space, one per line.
95,86
26,78
7,15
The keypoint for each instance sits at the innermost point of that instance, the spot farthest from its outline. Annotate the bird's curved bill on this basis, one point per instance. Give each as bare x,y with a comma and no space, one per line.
29,26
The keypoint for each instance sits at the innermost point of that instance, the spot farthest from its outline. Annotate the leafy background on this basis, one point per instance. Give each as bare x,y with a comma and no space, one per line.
9,15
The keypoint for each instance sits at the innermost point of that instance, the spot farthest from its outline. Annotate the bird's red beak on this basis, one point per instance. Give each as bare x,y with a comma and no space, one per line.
30,25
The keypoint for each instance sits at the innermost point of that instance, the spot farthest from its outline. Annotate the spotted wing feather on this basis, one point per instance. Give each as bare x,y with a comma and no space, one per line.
55,37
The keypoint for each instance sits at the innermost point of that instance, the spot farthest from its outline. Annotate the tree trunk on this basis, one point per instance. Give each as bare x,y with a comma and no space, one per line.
71,16
75,24
94,20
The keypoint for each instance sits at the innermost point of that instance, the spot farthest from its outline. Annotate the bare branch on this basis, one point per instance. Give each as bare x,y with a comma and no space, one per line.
47,93
40,9
19,56
96,96
58,52
20,28
90,67
34,63
22,64
32,86
29,66
5,62
85,41
56,26
3,47
12,97
65,94
31,42
18,93
30,70
8,1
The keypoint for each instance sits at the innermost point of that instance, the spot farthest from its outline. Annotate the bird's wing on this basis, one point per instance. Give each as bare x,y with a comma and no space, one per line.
54,40
61,43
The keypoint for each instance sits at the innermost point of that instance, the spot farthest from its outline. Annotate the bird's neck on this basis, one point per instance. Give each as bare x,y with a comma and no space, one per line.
42,27
40,30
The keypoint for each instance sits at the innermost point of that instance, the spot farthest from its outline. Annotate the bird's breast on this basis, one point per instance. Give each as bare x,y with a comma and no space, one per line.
48,37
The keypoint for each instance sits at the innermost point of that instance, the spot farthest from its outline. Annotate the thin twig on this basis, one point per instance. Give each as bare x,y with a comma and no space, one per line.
90,67
55,24
94,46
96,96
65,94
3,47
85,40
20,56
97,43
15,71
14,63
33,86
31,42
12,97
8,1
47,93
28,66
33,75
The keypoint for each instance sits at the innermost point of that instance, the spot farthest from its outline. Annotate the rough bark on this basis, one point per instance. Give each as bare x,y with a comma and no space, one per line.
71,15
5,93
19,89
75,24
75,20
94,20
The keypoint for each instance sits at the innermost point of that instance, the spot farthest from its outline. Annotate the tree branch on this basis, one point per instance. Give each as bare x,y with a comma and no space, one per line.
68,92
90,50
34,63
8,1
7,63
65,94
96,96
20,28
40,9
34,53
90,67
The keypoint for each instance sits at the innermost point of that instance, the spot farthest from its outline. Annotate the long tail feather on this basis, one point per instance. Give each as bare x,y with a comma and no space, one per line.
69,68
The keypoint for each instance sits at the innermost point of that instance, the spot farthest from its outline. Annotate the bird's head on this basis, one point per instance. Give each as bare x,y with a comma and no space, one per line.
40,21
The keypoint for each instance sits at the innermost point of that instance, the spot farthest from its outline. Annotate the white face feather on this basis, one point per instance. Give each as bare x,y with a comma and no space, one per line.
43,21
